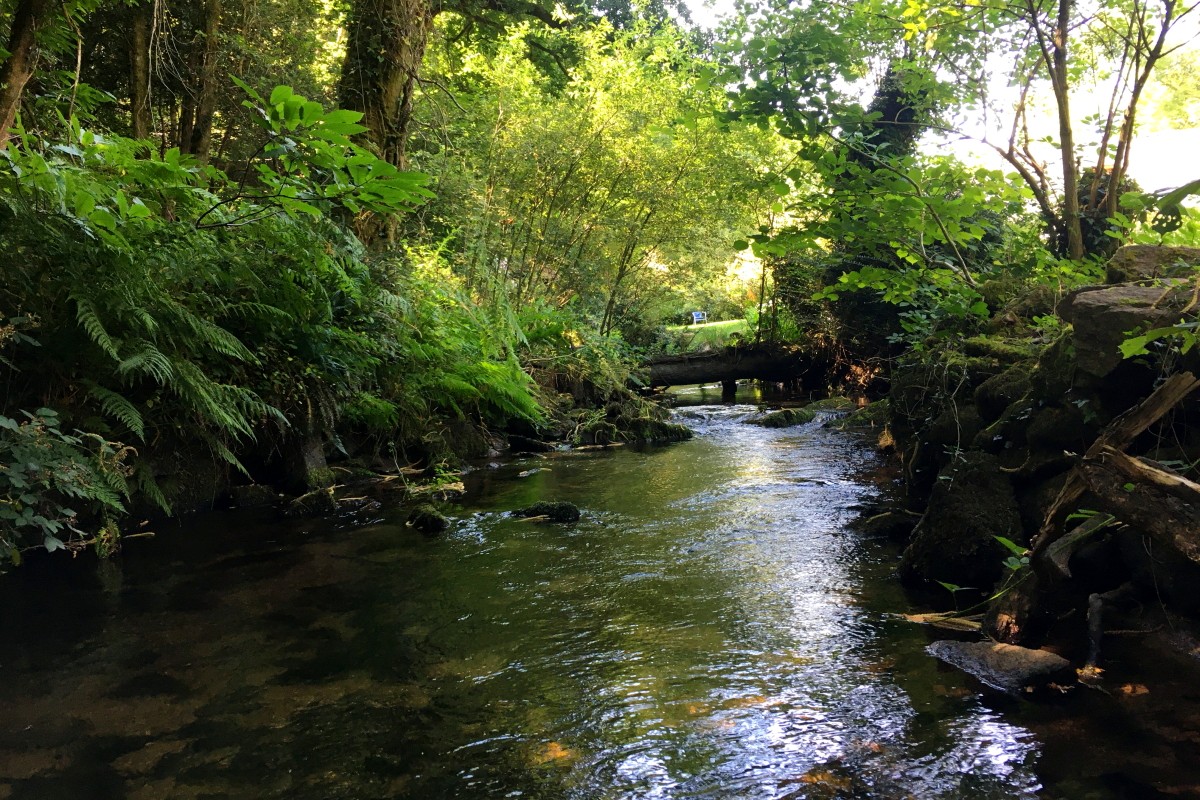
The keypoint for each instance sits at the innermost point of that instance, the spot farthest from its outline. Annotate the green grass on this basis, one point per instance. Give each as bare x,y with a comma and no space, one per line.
713,334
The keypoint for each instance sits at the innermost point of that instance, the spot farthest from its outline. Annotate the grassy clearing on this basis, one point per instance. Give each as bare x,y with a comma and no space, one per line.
711,334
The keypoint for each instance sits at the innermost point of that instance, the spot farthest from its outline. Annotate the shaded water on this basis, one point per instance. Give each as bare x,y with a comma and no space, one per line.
710,629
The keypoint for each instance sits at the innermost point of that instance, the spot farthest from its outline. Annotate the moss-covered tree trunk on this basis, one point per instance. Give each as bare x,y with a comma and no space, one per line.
199,137
384,50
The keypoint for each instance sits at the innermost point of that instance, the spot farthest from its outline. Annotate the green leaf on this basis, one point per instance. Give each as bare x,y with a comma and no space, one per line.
279,94
1012,546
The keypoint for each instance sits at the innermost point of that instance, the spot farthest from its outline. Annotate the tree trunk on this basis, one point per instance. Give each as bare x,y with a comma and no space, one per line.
19,67
206,92
142,120
1066,134
384,49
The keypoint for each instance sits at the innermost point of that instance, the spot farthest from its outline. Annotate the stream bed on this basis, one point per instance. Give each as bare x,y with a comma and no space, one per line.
711,628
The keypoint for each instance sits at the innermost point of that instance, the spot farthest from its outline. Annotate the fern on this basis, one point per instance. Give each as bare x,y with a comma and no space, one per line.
89,320
119,408
148,486
148,361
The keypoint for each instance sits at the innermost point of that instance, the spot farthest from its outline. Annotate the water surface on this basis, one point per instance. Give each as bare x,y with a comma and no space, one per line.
709,629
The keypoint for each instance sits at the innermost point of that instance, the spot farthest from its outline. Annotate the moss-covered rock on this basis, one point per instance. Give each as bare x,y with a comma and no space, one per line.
1062,427
972,502
833,404
1008,351
427,519
647,430
999,392
955,428
554,511
784,418
872,415
1054,374
1139,262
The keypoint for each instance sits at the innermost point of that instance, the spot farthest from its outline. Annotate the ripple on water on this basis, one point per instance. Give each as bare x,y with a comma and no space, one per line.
708,629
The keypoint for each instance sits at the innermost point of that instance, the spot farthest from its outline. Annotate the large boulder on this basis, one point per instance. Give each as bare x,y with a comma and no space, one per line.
972,502
1006,667
1141,262
1104,317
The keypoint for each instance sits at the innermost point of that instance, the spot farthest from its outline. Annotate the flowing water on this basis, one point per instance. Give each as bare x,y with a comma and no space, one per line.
710,629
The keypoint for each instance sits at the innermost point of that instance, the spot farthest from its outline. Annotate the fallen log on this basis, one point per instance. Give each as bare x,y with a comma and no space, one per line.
1119,434
766,362
1148,497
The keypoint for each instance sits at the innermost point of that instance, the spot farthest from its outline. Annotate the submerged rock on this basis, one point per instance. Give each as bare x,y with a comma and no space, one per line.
427,519
895,525
1007,667
555,512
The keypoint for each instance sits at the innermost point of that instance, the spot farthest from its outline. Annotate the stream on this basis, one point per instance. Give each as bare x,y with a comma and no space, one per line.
711,628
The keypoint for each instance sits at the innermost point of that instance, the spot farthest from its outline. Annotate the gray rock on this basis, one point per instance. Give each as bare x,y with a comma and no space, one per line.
1007,667
1139,262
1102,318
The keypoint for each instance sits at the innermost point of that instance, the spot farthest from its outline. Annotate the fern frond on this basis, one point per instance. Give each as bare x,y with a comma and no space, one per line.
148,361
119,408
212,401
226,455
89,320
149,487
213,336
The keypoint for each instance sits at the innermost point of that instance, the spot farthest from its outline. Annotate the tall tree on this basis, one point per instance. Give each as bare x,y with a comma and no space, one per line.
140,40
384,50
28,18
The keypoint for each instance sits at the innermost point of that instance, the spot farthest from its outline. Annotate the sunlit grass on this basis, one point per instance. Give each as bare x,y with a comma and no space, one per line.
712,334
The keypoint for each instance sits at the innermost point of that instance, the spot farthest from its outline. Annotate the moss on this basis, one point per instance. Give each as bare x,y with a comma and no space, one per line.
1006,350
645,430
833,404
427,519
873,415
1055,372
785,418
999,392
320,477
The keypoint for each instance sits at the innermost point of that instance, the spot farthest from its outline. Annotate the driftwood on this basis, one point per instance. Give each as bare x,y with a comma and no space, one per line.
1008,618
1147,496
1059,553
1119,434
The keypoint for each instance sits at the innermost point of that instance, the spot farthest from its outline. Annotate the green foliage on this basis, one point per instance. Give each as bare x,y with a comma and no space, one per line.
311,165
44,473
617,193
178,306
